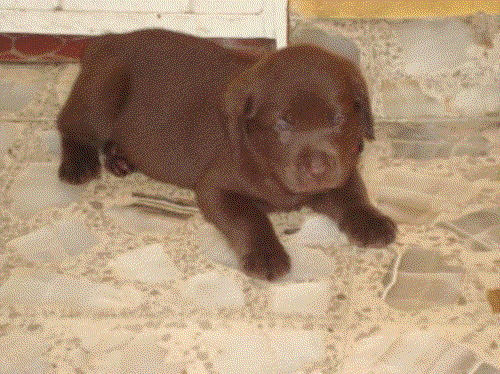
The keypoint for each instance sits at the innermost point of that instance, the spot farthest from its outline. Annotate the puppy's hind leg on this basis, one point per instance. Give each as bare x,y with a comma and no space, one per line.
80,162
86,119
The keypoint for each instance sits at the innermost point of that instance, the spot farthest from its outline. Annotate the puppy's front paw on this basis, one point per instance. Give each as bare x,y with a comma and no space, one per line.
367,227
267,263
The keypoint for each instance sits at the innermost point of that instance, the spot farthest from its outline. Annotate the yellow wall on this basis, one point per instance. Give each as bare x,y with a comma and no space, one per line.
393,8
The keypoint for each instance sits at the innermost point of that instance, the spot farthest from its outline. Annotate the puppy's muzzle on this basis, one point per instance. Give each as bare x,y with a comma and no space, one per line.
313,165
318,165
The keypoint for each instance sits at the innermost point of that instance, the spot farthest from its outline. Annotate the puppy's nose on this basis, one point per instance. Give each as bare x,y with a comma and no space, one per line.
318,163
315,163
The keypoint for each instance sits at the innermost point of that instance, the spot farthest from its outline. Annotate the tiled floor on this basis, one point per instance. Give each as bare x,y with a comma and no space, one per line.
105,279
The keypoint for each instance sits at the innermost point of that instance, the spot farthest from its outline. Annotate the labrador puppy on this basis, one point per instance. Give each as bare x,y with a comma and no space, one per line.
249,135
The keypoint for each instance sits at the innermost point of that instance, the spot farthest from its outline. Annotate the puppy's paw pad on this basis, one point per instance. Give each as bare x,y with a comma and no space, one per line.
77,172
369,228
266,264
118,166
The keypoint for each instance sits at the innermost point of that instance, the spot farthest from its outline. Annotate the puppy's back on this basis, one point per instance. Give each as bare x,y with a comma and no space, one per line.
157,95
152,60
175,89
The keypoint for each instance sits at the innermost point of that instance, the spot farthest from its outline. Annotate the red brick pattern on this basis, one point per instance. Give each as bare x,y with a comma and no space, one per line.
5,43
45,44
41,48
68,48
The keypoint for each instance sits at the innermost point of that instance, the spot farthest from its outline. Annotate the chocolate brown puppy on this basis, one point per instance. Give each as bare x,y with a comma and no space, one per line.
250,136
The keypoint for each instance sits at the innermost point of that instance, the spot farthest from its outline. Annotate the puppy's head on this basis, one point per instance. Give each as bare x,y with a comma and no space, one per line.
302,114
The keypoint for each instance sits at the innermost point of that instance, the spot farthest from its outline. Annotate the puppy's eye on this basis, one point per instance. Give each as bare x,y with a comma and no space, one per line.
358,106
282,125
337,120
361,146
284,130
252,126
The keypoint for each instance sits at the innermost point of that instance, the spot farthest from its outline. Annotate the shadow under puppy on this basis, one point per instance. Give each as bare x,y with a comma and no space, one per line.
248,135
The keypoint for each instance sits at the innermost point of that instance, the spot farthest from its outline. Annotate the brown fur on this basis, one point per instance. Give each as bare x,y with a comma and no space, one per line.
249,136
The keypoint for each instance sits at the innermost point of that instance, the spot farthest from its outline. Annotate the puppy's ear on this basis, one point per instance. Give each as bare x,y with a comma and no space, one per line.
241,101
362,102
